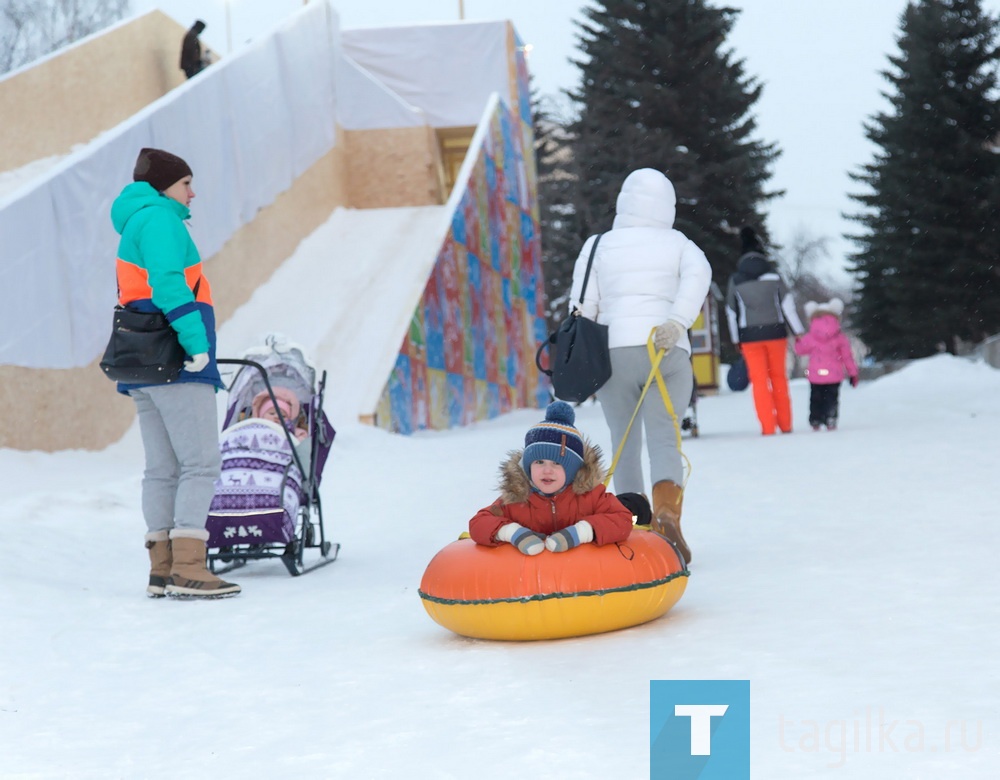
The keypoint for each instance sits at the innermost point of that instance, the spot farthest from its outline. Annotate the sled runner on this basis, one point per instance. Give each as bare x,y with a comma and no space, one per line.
267,502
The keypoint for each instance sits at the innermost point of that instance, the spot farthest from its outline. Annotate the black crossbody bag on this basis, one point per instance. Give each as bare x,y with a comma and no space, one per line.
143,348
580,361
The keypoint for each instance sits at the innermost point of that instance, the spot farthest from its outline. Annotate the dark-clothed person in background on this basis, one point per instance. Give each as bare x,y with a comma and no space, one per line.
193,59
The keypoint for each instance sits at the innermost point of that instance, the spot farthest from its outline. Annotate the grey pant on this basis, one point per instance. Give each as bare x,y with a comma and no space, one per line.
180,434
629,370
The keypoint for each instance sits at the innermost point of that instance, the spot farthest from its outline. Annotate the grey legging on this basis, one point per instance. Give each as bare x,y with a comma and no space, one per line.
179,427
629,370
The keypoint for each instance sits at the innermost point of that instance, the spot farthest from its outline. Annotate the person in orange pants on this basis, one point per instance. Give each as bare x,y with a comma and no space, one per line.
760,311
766,369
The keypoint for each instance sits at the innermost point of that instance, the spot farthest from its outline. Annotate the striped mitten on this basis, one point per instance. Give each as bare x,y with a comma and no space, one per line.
568,538
524,539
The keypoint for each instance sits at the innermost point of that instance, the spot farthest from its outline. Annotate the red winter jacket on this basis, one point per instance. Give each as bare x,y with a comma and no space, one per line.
584,499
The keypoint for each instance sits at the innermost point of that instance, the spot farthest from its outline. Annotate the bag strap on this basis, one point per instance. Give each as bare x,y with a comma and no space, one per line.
590,262
552,336
538,355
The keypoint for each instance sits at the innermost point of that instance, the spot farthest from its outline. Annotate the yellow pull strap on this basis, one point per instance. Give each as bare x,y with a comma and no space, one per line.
655,356
668,404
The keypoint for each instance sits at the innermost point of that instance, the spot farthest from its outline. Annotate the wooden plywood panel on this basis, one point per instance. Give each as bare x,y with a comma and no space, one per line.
73,96
393,167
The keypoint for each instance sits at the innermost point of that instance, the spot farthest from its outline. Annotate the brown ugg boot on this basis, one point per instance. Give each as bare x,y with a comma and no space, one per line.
667,500
189,577
158,544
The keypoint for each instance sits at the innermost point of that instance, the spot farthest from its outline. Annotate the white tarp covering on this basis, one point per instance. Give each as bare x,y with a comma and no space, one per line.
248,126
446,70
364,103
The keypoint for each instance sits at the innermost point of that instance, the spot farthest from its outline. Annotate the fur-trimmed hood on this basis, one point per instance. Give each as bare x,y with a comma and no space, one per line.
834,306
515,486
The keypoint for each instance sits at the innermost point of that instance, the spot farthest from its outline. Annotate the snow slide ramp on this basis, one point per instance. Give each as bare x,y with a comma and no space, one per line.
347,295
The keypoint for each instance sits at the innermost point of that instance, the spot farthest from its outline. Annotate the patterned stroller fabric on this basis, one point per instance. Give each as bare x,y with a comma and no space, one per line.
259,493
262,493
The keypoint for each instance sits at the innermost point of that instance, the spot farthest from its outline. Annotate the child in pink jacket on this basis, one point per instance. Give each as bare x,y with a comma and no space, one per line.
830,360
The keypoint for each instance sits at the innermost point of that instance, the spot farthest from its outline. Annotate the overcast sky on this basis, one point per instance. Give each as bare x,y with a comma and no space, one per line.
819,62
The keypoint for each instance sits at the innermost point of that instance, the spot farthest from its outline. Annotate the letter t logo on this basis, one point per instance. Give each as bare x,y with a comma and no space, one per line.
701,724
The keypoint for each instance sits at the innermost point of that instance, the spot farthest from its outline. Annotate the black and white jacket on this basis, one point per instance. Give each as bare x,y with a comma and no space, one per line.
759,306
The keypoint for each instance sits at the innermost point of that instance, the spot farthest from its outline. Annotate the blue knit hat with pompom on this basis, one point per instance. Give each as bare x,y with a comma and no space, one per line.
555,439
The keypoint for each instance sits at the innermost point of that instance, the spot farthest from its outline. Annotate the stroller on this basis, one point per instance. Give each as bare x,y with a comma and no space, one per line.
267,502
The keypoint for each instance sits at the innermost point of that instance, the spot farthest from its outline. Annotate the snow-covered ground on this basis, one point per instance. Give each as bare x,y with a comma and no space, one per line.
850,576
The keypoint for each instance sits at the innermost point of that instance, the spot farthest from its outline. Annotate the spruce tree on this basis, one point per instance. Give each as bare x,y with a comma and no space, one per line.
660,90
557,217
929,259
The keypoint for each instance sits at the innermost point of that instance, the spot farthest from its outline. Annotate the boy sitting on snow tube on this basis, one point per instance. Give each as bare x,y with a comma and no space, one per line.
552,495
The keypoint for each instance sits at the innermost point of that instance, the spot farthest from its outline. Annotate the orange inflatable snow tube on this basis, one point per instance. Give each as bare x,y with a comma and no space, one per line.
498,593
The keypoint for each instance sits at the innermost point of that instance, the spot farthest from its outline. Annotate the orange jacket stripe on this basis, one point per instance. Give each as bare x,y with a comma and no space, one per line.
133,283
192,274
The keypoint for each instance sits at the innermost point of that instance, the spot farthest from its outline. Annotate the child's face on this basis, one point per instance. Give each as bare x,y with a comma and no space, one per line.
270,413
548,476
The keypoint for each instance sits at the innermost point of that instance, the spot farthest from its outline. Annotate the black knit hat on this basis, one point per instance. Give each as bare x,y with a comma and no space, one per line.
160,169
555,439
749,240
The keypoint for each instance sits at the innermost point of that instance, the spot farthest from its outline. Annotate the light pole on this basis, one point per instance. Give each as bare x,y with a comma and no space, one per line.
461,9
229,27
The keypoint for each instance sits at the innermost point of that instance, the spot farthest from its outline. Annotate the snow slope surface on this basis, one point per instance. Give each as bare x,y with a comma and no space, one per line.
850,576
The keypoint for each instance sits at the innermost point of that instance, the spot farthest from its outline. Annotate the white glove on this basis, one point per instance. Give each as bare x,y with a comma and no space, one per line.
667,335
196,363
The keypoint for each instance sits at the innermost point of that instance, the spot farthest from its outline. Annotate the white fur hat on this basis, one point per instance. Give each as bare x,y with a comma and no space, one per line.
834,306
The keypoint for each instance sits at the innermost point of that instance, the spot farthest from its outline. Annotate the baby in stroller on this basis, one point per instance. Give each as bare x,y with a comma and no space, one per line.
264,408
274,442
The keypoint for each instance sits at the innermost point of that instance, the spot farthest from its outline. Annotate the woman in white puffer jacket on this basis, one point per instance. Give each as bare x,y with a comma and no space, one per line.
646,275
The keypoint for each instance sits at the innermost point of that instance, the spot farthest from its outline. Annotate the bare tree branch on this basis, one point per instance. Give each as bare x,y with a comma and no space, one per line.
30,29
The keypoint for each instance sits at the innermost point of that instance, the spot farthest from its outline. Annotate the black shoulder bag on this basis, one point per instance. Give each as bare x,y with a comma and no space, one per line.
581,361
143,348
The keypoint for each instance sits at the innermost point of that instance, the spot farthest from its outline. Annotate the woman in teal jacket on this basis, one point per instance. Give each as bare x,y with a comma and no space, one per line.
159,268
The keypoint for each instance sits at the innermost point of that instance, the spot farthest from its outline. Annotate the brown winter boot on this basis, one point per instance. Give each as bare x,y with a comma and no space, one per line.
189,577
158,544
667,499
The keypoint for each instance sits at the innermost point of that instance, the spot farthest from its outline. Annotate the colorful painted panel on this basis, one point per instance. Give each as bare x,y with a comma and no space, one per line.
470,351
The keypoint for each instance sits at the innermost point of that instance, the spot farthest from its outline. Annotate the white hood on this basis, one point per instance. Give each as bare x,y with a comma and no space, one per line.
647,199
